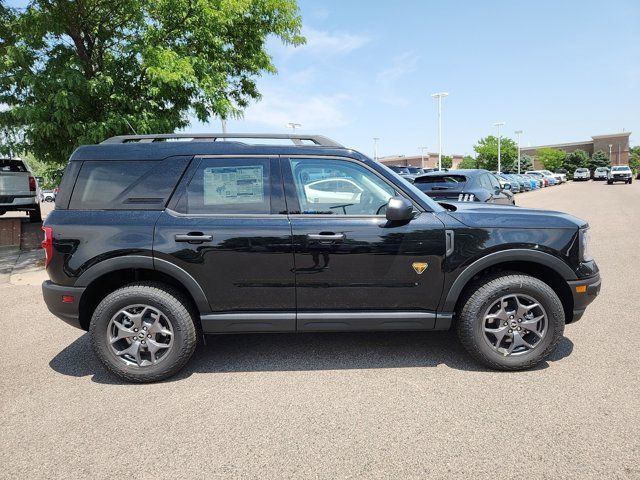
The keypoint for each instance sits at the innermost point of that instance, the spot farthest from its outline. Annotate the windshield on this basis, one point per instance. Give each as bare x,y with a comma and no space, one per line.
581,170
415,191
620,168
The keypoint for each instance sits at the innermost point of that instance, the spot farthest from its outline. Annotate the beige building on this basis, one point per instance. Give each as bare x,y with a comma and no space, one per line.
429,160
616,146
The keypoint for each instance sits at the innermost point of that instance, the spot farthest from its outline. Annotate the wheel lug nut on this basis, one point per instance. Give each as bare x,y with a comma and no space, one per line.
135,329
519,320
149,336
144,328
510,331
143,342
519,328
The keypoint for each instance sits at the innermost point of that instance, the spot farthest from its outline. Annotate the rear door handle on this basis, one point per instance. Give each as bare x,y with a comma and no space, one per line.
326,237
193,237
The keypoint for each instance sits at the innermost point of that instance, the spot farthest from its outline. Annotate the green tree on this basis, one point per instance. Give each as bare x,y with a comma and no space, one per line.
75,72
551,158
634,159
487,150
575,159
599,159
447,161
526,163
468,162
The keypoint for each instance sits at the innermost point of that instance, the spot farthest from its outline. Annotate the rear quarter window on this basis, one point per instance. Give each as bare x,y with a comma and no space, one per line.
126,185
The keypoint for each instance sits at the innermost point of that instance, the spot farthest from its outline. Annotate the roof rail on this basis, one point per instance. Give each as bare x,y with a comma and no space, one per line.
212,137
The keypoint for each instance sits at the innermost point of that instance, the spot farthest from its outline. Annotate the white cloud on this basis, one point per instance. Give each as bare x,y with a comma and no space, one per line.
314,112
332,42
389,81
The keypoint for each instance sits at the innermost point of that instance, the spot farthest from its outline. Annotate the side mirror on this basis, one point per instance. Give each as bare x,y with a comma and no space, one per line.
399,209
507,186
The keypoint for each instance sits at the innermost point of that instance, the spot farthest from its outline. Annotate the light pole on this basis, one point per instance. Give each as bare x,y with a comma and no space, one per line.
499,124
439,97
422,149
610,146
293,126
375,148
518,133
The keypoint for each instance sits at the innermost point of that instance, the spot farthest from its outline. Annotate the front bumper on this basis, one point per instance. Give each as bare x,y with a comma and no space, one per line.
66,311
584,292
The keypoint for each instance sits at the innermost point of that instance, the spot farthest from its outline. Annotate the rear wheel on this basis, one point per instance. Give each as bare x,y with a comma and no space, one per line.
35,216
510,321
143,332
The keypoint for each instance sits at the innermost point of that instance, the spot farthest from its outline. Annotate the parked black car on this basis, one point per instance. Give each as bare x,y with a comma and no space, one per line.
152,242
464,186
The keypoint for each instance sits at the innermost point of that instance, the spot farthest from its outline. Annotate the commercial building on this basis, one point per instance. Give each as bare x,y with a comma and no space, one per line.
616,146
429,160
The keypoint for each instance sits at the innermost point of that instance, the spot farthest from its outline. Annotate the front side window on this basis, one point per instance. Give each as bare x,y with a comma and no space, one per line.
228,186
339,187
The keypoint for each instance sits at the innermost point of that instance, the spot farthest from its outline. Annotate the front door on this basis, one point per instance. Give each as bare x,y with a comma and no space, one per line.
229,231
354,269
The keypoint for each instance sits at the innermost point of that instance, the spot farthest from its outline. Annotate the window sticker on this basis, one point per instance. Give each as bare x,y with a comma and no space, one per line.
227,185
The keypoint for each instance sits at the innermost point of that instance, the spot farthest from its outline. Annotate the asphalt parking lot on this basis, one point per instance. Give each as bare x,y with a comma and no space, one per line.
388,405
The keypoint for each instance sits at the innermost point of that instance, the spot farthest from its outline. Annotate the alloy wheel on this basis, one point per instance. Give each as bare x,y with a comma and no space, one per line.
140,335
514,325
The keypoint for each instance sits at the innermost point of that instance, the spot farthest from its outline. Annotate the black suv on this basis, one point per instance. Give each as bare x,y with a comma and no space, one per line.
155,240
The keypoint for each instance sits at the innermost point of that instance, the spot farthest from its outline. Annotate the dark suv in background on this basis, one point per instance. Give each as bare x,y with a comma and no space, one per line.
153,241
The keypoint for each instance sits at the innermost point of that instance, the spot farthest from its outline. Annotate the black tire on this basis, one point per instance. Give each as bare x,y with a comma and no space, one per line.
35,216
630,181
609,182
2,212
488,290
173,305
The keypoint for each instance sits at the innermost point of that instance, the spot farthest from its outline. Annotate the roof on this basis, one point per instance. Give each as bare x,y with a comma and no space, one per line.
468,171
154,147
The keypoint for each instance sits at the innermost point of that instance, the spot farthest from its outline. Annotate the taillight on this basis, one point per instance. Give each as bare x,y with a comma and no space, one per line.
47,245
32,184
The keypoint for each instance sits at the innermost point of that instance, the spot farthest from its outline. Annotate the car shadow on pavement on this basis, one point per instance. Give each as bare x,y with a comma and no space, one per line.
299,352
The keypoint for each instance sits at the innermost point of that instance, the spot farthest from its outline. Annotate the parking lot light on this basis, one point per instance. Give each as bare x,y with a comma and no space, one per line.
499,124
439,97
518,133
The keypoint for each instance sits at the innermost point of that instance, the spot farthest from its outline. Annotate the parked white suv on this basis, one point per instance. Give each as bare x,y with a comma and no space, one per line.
600,173
581,174
620,173
18,189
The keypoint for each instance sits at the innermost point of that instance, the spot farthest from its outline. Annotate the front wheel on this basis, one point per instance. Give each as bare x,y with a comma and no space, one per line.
143,332
510,321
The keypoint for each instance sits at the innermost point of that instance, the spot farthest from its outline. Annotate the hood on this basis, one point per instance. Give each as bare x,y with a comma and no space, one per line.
483,215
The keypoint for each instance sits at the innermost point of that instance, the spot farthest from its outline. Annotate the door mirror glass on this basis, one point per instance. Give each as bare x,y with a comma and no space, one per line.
507,186
399,209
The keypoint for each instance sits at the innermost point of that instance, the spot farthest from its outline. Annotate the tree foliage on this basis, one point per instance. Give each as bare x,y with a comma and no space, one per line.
634,159
599,159
447,161
468,162
75,72
526,163
574,160
551,158
487,150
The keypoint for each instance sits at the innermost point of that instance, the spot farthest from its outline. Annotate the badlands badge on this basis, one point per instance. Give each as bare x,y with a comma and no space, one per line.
419,267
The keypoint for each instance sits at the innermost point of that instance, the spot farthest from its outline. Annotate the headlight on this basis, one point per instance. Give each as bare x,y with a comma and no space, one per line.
585,241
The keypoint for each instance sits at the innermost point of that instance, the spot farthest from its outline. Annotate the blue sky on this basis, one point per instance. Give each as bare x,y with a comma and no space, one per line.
559,70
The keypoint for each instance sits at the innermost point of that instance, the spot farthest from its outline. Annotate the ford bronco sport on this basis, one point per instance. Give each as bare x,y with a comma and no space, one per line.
154,241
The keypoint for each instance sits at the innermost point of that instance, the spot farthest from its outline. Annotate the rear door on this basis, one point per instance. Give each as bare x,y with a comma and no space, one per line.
227,227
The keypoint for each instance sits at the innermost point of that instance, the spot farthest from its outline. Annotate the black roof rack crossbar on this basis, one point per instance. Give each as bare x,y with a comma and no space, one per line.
319,140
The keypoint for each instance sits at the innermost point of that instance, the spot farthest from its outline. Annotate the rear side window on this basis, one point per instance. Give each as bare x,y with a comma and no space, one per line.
238,186
12,166
126,185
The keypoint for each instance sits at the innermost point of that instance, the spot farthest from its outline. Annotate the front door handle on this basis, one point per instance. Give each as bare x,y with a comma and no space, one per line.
193,237
326,237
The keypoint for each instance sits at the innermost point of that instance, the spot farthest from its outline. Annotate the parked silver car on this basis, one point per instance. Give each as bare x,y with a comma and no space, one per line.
18,189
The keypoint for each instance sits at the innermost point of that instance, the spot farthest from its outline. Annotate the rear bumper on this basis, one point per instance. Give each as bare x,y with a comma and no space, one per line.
582,299
18,202
66,311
